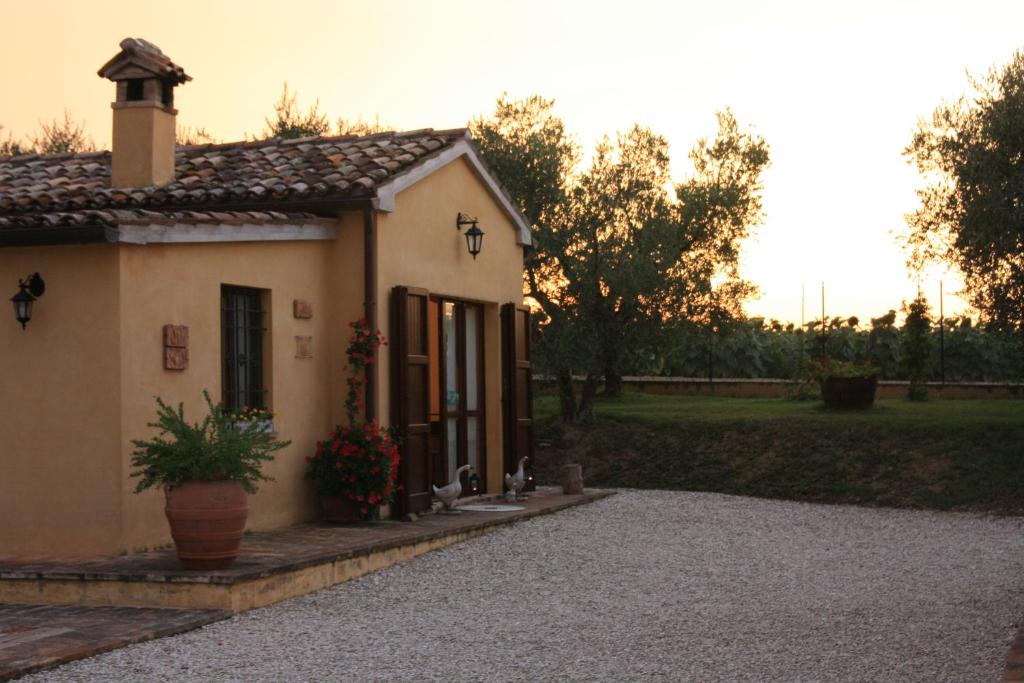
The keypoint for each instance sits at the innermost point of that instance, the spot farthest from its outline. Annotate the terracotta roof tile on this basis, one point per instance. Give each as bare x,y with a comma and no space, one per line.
41,189
146,54
114,217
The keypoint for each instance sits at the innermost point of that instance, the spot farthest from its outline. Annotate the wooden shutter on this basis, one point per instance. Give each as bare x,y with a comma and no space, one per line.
517,387
410,397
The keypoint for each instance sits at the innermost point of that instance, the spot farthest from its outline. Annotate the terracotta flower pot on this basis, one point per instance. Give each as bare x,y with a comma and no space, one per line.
338,510
207,521
849,392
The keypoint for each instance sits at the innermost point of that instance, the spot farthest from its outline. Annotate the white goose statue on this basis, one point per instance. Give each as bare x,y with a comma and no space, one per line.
516,482
451,492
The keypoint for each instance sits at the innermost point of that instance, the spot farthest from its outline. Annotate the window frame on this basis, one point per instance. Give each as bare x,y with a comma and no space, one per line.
243,383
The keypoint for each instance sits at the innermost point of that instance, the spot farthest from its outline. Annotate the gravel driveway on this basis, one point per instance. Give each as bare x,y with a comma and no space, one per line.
642,586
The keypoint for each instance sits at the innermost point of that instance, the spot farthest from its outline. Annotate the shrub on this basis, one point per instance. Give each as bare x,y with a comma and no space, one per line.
916,348
826,367
211,450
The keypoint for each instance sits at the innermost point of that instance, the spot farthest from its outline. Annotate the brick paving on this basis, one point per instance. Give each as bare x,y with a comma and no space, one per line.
34,637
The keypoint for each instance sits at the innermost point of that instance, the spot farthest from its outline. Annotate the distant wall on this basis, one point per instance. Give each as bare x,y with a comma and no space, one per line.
776,388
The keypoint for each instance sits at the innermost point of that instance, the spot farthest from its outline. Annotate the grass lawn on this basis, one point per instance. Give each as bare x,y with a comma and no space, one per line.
943,454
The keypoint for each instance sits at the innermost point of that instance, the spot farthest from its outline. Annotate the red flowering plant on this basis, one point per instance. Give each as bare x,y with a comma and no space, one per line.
357,463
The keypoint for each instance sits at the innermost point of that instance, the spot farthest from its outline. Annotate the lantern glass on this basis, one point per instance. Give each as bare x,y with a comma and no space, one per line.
474,240
474,484
23,307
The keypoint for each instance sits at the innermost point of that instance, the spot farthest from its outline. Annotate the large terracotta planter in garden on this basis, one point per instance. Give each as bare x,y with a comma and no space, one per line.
849,392
207,521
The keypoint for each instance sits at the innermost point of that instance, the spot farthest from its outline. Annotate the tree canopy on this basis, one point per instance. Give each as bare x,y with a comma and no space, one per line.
11,147
972,209
187,135
358,126
289,121
526,145
620,254
58,136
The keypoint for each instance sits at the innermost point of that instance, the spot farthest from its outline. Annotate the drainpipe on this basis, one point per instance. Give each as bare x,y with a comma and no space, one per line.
370,301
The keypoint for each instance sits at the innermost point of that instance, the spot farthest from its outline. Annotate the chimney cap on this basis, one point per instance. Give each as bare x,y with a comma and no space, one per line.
138,54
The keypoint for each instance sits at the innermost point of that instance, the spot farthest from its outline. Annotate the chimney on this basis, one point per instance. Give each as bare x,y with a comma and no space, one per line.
144,114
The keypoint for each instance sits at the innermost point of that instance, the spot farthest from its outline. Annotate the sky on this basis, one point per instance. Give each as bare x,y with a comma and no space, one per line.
835,88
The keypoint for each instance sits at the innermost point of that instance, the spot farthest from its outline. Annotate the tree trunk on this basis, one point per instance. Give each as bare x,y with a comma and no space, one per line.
612,380
585,412
611,354
566,397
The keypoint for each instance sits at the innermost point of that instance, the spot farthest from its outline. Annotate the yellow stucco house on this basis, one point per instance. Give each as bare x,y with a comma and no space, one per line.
237,268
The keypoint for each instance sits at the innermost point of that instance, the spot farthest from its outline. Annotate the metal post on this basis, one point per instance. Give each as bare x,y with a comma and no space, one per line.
370,303
711,347
711,356
823,339
942,336
803,332
803,298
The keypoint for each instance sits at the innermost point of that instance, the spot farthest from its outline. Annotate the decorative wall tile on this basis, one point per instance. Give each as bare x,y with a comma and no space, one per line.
175,358
303,347
302,309
175,347
176,336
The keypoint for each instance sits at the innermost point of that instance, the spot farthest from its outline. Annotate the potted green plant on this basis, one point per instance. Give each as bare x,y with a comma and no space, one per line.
355,470
846,384
206,469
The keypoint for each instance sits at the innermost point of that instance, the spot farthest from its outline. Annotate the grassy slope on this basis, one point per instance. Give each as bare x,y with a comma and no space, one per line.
940,454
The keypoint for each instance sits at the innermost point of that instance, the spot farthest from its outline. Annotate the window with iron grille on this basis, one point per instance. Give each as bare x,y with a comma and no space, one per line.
242,324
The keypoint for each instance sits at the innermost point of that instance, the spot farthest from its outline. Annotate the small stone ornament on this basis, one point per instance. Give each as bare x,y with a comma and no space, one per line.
450,493
516,482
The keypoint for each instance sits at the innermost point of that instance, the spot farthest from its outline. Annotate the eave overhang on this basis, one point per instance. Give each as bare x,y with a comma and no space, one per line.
463,148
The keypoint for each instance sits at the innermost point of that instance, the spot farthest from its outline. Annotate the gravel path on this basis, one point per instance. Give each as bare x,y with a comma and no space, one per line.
642,586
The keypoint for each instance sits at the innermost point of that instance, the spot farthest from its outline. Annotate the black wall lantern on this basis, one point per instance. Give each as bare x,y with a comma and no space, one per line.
29,289
474,236
474,484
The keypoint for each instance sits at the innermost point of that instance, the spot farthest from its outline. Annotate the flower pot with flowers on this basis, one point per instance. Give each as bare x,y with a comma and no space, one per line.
205,469
253,418
846,384
355,470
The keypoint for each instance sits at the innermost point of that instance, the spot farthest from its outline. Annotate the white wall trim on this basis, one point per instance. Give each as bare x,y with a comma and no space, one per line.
193,233
385,200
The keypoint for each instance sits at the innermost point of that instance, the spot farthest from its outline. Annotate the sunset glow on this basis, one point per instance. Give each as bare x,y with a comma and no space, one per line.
836,90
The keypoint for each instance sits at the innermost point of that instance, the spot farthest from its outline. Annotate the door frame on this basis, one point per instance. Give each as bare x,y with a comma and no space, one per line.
517,388
415,439
415,495
462,414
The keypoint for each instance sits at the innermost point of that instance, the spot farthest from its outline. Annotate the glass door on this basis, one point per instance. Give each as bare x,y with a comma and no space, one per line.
461,391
